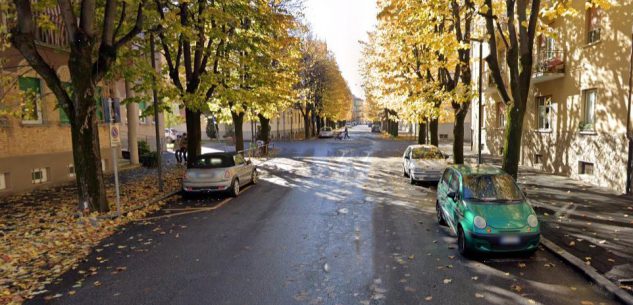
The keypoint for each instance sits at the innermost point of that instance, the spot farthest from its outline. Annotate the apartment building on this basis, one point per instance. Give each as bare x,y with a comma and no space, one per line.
35,136
576,116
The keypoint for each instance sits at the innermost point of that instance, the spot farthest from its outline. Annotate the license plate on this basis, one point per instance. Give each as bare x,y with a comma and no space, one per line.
510,240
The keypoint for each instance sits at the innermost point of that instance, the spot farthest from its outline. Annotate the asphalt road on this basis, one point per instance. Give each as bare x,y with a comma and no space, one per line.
331,222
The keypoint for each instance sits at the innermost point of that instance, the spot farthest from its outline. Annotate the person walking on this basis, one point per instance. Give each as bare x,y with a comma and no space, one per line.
183,148
346,133
177,149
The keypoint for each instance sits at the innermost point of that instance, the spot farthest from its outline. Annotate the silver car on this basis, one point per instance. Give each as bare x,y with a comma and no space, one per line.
219,172
423,163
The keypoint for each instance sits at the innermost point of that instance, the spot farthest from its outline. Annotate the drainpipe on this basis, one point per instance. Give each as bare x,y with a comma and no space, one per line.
629,167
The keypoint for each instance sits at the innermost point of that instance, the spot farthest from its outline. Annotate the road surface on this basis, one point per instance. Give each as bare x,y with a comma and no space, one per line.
331,222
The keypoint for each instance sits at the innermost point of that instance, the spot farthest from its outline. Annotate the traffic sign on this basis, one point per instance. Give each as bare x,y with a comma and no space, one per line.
115,135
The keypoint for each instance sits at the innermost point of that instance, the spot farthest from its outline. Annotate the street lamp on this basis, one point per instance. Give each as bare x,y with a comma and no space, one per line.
480,115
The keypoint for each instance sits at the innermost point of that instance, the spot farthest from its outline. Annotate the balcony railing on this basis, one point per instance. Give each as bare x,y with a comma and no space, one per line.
550,64
52,35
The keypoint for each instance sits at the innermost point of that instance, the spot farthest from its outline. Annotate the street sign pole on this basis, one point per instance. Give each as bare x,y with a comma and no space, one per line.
115,141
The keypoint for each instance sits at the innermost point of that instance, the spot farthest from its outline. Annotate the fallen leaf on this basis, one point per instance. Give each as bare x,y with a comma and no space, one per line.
522,265
428,298
479,295
447,281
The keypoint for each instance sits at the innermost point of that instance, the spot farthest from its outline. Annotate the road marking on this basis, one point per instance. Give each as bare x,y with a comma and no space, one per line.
196,210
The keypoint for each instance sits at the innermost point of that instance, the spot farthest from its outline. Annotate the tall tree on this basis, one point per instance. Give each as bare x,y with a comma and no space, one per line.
96,30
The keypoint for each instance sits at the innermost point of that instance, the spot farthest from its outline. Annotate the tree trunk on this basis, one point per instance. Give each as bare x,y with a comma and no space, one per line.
421,133
434,127
512,143
265,131
87,152
319,123
458,135
306,124
194,135
238,121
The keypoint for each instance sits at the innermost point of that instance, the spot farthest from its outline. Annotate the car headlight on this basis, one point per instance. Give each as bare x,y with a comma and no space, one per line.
480,222
532,221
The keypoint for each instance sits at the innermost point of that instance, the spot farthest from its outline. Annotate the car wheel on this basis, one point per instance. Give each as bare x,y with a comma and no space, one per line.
254,177
235,188
462,244
440,216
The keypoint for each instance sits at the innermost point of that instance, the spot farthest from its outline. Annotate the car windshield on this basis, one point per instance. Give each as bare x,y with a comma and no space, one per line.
494,188
327,129
213,162
426,153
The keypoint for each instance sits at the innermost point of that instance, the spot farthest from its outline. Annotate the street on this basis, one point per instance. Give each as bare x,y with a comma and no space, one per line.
330,222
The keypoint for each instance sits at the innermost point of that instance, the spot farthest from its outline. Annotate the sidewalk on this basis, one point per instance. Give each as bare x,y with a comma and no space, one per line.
592,223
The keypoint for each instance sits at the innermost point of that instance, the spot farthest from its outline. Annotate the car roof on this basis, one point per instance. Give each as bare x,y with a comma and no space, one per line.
472,170
219,154
423,146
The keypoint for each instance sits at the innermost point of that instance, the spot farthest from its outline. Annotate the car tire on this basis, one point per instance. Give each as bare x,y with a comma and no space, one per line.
235,188
440,215
462,244
254,177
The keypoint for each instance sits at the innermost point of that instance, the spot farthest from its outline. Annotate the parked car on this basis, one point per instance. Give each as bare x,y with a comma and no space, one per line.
326,132
219,172
487,211
375,128
171,135
423,163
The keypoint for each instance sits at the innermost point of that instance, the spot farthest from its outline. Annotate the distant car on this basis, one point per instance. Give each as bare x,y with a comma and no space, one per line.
326,132
423,163
375,128
171,135
487,210
219,172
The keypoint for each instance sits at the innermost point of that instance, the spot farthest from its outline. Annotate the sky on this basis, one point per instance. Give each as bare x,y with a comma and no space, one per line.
342,23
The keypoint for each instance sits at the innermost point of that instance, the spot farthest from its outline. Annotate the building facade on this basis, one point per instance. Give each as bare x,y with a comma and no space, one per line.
35,136
358,110
575,122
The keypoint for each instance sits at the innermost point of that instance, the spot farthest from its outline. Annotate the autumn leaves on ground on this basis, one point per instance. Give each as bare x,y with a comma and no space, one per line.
43,235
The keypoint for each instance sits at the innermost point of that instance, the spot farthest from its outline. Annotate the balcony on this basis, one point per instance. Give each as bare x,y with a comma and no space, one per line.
550,65
51,34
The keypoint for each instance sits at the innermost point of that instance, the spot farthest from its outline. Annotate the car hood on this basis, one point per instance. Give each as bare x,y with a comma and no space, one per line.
503,215
438,164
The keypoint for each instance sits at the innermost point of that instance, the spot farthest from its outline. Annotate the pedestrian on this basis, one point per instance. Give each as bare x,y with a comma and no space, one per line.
183,147
346,133
177,151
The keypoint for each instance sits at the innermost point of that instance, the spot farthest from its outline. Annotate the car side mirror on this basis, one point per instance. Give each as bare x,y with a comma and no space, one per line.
407,157
453,195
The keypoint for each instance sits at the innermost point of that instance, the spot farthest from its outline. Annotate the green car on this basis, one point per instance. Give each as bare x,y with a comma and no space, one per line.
487,210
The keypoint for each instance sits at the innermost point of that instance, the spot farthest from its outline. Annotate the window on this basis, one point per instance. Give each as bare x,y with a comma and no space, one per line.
3,181
593,24
63,116
493,188
585,168
501,115
39,175
141,108
590,98
538,159
454,186
71,170
32,104
544,104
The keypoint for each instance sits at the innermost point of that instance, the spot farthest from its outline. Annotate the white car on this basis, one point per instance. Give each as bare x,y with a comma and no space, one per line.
326,132
423,163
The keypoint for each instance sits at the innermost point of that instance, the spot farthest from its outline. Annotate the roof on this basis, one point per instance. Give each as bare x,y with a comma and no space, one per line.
219,154
475,169
423,146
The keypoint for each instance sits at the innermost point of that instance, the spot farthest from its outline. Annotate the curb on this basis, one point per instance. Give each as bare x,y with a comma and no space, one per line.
163,197
589,271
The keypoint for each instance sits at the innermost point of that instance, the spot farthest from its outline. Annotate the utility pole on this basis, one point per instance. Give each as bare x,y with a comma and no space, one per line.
629,162
157,127
481,108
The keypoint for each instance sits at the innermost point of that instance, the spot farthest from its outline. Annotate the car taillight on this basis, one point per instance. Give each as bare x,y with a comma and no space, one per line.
227,174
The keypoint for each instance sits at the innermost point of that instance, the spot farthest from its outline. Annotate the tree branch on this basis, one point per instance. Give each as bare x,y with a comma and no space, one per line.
68,15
